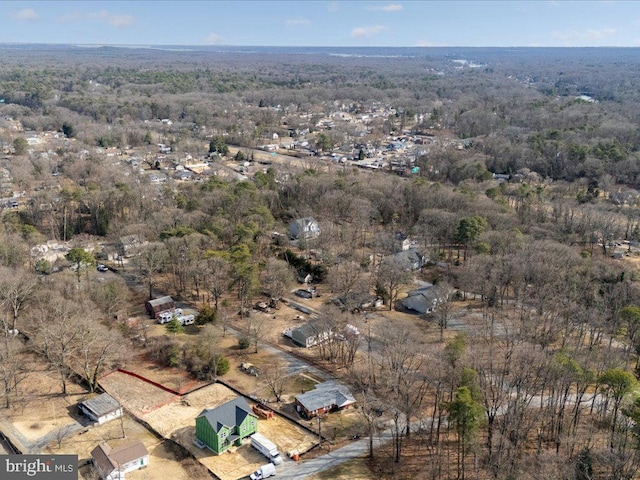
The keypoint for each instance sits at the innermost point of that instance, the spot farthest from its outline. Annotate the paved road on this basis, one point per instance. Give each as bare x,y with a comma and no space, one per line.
306,468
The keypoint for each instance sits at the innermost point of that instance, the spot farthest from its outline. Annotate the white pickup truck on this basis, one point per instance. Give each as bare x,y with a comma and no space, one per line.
264,471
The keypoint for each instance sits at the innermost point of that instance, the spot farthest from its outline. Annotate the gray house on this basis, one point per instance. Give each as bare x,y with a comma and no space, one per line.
309,334
425,299
327,396
304,228
411,259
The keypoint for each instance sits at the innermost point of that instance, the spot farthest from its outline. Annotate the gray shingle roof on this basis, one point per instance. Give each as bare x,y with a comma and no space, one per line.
325,395
228,414
423,299
101,405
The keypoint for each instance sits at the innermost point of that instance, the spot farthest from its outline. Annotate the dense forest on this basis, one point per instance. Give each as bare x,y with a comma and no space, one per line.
526,202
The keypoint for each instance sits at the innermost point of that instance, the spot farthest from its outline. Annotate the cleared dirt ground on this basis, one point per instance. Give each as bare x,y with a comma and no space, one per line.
177,421
172,378
137,396
41,408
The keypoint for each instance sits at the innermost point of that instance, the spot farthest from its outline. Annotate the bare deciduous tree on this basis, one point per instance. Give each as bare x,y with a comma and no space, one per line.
276,378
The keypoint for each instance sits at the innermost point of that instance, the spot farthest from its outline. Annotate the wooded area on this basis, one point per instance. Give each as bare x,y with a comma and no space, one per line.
514,173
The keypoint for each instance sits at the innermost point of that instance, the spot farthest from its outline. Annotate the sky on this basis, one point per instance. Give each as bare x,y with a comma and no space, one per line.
395,23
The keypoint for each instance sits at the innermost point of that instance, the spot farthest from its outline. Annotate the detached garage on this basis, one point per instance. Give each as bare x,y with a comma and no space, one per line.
101,409
157,305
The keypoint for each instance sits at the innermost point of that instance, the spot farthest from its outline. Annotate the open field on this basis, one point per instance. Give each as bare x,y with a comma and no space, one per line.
41,409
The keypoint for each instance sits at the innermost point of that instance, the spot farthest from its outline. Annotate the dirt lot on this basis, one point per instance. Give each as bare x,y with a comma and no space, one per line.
137,396
110,432
182,412
41,408
172,378
163,463
241,461
177,421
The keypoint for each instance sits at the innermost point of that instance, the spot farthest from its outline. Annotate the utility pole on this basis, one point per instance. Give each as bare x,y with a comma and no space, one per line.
319,432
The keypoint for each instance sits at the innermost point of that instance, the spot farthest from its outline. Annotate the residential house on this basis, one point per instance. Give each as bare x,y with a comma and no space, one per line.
410,259
304,228
157,177
309,334
115,463
129,245
101,409
328,396
424,299
220,428
355,301
157,305
401,243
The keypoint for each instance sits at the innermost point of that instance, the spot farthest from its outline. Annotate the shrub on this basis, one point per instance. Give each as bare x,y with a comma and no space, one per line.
206,315
223,366
243,343
175,327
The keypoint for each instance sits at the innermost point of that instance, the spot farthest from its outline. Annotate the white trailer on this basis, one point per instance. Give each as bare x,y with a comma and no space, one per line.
266,447
168,315
187,319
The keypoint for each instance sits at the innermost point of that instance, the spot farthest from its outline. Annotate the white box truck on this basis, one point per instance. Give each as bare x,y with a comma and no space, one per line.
264,471
266,447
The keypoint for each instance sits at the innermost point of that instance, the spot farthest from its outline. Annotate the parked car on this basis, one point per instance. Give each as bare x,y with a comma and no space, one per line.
102,268
303,293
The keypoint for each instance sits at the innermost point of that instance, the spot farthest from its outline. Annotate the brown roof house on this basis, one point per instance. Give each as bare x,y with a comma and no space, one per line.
115,463
157,305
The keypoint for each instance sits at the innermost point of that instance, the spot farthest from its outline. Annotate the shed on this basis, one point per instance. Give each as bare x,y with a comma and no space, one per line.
157,305
101,409
326,397
114,463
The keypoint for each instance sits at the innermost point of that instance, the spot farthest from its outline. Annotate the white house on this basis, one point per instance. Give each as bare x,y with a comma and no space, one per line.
304,228
115,463
101,409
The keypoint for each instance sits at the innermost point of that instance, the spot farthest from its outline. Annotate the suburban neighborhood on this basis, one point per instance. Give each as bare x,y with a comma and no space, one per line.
319,263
